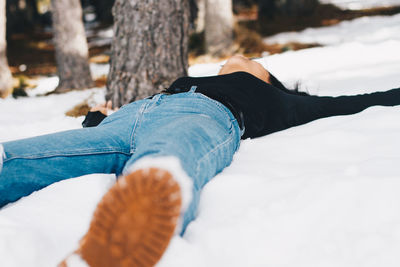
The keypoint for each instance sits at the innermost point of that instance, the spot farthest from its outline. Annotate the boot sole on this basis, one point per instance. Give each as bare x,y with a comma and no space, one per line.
134,222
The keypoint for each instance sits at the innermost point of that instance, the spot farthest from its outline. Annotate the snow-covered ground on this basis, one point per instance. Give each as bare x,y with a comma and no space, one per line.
361,4
366,30
322,194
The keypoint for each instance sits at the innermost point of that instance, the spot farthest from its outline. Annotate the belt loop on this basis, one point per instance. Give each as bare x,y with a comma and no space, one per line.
156,97
193,89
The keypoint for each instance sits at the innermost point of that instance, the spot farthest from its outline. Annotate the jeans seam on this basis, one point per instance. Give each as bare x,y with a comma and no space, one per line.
220,106
135,126
223,108
155,101
2,156
85,153
212,151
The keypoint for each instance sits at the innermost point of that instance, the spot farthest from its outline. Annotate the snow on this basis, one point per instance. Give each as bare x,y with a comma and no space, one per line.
359,55
367,30
25,117
361,4
100,37
321,194
348,68
99,70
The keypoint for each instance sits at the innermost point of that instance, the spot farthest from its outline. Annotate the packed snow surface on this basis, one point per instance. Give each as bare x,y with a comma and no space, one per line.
367,30
321,194
361,4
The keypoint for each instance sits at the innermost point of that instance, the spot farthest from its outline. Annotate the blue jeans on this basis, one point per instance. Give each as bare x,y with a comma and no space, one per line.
202,133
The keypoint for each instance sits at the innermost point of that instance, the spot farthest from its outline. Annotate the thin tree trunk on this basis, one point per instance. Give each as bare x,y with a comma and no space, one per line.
218,27
150,48
71,46
5,73
200,16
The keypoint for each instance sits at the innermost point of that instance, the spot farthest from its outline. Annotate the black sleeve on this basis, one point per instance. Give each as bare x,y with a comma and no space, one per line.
93,119
298,110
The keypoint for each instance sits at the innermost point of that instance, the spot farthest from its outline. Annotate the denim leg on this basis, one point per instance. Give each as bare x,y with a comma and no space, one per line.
198,131
33,163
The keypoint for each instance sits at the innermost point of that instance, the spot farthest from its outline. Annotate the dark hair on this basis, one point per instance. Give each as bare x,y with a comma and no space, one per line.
276,83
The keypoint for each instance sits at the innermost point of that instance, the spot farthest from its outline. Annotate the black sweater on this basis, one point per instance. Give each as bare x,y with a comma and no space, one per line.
244,94
262,108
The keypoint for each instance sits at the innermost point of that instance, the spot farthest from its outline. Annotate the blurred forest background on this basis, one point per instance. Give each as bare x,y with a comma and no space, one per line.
148,43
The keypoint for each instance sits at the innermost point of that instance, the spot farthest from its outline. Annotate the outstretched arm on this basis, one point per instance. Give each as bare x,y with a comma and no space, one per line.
314,107
288,110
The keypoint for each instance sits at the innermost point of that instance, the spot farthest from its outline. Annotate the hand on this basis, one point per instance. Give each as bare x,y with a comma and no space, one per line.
105,108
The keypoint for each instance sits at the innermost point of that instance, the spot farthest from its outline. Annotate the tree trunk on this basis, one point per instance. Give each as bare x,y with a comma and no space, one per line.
199,15
5,73
150,48
218,27
71,46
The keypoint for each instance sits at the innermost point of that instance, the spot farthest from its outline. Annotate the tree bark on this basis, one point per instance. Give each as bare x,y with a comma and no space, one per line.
198,15
150,48
218,26
5,73
71,46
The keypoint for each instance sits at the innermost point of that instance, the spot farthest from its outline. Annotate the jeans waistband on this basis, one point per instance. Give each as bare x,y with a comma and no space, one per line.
238,114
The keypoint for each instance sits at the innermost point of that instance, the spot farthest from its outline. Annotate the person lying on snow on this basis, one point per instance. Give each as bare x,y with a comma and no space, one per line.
164,149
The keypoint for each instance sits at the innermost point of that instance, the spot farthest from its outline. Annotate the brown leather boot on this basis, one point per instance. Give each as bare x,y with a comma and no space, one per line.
134,222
